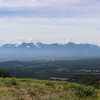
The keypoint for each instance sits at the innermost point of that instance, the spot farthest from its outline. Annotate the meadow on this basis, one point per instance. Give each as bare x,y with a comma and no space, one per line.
34,89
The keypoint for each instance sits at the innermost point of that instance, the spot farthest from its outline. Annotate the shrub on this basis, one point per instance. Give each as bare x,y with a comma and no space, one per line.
31,92
13,82
81,90
9,82
49,84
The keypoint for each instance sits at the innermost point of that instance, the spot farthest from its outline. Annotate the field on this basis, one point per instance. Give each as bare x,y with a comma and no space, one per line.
34,89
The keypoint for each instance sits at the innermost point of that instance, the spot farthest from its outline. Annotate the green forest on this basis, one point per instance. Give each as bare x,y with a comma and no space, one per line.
52,69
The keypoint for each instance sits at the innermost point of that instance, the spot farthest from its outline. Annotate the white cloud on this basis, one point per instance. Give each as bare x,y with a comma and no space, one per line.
19,3
32,3
50,29
51,4
50,20
50,8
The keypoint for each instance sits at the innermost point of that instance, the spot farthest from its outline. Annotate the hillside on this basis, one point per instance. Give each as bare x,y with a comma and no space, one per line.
4,74
86,80
33,89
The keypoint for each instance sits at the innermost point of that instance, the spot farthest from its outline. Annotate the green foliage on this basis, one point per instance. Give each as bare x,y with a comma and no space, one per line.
81,90
13,82
9,82
31,92
49,84
85,79
4,74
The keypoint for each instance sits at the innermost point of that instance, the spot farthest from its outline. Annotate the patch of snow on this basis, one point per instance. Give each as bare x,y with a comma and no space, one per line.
28,46
37,45
17,44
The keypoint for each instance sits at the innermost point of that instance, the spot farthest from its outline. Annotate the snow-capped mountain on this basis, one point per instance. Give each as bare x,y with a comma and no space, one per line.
40,50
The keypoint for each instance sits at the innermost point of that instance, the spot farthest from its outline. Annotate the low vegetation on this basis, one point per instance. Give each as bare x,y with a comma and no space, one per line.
34,89
87,80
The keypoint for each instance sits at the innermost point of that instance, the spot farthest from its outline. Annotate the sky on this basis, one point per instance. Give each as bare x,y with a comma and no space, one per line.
50,21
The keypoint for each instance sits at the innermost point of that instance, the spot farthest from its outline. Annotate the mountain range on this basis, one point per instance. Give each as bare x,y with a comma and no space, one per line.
28,51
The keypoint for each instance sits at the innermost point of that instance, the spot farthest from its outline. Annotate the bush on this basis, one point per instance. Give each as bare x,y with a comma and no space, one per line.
31,92
13,82
81,90
9,82
49,84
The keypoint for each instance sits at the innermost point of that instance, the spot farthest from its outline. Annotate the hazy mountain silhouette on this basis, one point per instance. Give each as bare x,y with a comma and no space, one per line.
26,51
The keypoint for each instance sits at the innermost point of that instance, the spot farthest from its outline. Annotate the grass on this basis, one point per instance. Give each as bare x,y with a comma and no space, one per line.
34,89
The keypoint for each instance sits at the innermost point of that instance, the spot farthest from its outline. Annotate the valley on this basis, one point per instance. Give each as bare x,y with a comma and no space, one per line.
44,69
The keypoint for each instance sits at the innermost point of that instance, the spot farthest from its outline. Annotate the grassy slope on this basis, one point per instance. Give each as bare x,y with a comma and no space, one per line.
33,89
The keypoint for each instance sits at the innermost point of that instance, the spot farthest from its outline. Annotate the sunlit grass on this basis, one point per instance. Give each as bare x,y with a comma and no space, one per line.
34,89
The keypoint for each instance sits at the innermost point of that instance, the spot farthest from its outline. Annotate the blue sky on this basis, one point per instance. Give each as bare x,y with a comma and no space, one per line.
50,21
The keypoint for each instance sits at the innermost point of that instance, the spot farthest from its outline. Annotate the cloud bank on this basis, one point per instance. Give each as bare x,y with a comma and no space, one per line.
50,20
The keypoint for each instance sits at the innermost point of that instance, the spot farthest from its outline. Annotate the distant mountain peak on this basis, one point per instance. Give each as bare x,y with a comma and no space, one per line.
54,50
39,45
70,43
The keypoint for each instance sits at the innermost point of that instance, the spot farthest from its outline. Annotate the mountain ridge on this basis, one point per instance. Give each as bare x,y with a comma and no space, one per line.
41,44
50,51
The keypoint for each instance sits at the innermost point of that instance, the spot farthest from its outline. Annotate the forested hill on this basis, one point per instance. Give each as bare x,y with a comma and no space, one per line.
4,74
86,80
